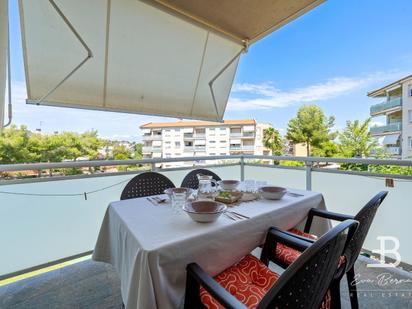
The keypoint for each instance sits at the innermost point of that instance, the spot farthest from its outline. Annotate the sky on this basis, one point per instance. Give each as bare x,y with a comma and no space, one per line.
331,57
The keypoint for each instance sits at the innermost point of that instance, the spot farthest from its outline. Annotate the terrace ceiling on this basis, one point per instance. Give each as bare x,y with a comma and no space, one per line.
161,57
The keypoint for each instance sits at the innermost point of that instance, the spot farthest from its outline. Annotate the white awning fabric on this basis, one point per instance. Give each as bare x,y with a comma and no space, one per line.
235,141
172,58
157,143
146,131
391,139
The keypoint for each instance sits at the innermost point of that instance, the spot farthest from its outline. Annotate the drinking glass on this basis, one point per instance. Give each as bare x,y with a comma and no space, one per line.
249,186
178,201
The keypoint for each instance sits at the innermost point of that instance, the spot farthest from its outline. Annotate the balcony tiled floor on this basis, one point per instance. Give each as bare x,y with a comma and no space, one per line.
95,285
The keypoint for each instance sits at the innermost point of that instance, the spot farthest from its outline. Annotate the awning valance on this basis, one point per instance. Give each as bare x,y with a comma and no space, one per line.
172,58
391,139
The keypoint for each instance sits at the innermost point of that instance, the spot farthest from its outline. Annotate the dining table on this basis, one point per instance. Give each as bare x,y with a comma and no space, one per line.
151,244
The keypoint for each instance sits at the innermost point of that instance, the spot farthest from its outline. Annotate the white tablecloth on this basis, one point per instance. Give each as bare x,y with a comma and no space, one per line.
150,246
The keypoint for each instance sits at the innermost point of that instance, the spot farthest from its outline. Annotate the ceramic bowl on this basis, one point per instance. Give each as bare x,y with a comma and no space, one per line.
272,193
204,211
228,185
170,191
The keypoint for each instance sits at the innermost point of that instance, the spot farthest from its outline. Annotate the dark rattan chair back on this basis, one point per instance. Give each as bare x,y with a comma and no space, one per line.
146,184
191,181
365,217
305,283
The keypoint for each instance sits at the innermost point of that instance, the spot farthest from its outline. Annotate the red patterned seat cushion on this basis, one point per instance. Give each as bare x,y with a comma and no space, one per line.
249,280
288,255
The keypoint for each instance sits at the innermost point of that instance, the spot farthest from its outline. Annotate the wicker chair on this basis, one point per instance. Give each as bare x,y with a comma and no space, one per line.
146,184
250,283
191,181
286,255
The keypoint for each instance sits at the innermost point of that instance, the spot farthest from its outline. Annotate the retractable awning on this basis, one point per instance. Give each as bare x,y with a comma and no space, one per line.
173,58
391,139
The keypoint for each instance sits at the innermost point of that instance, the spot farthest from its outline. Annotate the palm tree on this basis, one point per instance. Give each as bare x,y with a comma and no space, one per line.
273,141
356,140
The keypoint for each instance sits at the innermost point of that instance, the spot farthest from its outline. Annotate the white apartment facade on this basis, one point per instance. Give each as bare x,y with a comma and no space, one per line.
202,138
396,135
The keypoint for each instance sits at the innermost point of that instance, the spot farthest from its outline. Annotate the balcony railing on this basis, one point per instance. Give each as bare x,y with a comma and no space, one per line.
48,219
393,150
152,137
392,127
385,106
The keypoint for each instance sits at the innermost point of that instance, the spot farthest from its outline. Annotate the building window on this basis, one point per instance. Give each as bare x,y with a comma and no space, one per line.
410,142
410,90
222,141
212,142
177,144
212,154
410,115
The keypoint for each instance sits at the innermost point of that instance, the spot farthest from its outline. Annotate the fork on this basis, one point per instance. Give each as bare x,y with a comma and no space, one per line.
241,216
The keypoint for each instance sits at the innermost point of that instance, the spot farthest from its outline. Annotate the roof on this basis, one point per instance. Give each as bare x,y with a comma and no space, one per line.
382,91
180,123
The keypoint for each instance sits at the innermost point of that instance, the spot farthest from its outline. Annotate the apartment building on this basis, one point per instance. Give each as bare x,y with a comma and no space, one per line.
202,138
396,109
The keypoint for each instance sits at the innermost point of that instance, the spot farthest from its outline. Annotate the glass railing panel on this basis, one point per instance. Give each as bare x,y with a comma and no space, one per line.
349,193
392,127
277,176
39,229
377,108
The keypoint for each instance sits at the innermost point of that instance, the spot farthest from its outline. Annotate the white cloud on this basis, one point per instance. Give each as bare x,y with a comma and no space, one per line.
266,95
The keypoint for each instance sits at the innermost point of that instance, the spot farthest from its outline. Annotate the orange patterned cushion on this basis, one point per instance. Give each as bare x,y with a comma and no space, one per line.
289,255
249,280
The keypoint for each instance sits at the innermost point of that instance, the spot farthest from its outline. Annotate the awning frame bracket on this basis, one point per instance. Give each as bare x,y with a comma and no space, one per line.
82,42
222,70
9,106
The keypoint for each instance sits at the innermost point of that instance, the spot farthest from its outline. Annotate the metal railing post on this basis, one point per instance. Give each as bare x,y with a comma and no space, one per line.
242,168
153,168
308,175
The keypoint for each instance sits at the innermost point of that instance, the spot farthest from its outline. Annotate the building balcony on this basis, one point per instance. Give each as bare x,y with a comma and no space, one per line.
247,135
389,128
149,149
188,136
384,107
394,150
152,137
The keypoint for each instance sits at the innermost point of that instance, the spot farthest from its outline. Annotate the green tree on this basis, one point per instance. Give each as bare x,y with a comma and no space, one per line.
14,143
138,151
310,126
121,152
326,149
356,140
273,141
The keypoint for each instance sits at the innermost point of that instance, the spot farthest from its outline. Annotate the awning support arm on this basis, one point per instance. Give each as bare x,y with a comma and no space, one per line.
9,106
243,50
82,42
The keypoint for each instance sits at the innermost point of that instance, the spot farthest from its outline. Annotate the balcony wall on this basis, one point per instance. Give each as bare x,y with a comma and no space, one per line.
392,127
39,229
385,106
